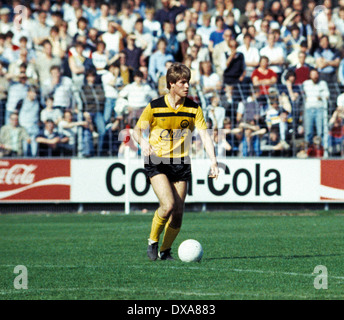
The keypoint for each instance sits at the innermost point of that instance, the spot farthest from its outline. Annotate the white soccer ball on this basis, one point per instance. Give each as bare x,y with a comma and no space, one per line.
190,251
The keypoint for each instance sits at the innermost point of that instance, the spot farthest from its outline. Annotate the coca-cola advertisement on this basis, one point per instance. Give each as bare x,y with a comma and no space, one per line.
30,180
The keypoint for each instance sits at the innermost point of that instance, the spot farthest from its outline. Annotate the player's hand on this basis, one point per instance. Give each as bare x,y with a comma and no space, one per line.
214,170
147,149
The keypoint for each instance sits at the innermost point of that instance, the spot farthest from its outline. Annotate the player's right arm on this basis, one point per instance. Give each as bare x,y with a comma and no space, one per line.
141,126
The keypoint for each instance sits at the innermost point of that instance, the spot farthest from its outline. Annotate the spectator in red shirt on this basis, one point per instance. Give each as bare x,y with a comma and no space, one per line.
302,69
263,76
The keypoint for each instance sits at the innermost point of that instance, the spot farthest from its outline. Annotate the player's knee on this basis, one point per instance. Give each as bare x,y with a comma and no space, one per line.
167,208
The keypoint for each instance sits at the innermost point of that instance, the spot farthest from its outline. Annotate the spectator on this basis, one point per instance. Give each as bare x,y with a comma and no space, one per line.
139,8
188,41
146,77
217,36
294,39
316,93
221,145
79,26
102,22
232,24
45,61
92,12
138,96
215,112
22,65
40,32
113,38
275,55
58,49
262,32
272,145
327,60
79,64
233,65
158,59
233,136
49,112
171,39
249,10
60,88
16,92
251,57
49,140
67,127
100,58
341,72
217,11
125,70
301,70
64,38
336,131
162,83
143,40
203,51
93,99
273,118
251,110
335,37
13,137
133,53
150,25
4,86
263,76
205,29
5,20
169,11
127,17
29,109
293,58
210,81
339,20
316,149
112,82
219,51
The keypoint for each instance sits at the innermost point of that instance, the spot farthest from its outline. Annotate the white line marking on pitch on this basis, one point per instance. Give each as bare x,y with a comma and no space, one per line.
181,268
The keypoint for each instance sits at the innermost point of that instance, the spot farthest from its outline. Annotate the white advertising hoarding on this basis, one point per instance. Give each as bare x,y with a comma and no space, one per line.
240,180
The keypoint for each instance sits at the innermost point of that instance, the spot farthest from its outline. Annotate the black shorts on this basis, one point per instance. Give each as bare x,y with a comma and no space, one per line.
175,169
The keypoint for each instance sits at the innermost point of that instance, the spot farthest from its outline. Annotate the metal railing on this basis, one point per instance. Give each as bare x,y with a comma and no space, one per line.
248,133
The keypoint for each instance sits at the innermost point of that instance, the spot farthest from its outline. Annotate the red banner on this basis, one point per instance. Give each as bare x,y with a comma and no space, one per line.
26,179
332,180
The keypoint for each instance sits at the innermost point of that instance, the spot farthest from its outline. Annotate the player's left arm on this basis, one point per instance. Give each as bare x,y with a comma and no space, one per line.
207,142
210,150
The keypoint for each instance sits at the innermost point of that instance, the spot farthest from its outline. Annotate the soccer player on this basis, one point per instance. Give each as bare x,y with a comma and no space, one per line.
170,120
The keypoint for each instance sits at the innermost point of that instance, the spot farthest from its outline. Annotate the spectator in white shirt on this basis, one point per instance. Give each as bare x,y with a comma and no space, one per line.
59,87
138,96
101,23
112,82
316,94
275,54
113,38
251,55
100,58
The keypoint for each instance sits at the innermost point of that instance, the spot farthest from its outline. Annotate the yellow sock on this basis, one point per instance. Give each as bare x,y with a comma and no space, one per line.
158,225
169,236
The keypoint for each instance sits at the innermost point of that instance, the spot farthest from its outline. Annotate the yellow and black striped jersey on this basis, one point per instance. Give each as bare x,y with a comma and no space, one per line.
170,130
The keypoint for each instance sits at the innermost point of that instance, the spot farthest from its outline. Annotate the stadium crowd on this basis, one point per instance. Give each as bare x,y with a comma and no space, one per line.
74,74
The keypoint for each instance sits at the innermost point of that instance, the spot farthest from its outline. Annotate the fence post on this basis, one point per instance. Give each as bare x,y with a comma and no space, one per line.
127,183
325,142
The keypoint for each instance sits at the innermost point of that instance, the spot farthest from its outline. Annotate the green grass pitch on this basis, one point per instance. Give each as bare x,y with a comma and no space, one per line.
247,255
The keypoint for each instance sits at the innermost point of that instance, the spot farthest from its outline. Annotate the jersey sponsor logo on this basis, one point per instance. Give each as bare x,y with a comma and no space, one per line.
173,134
